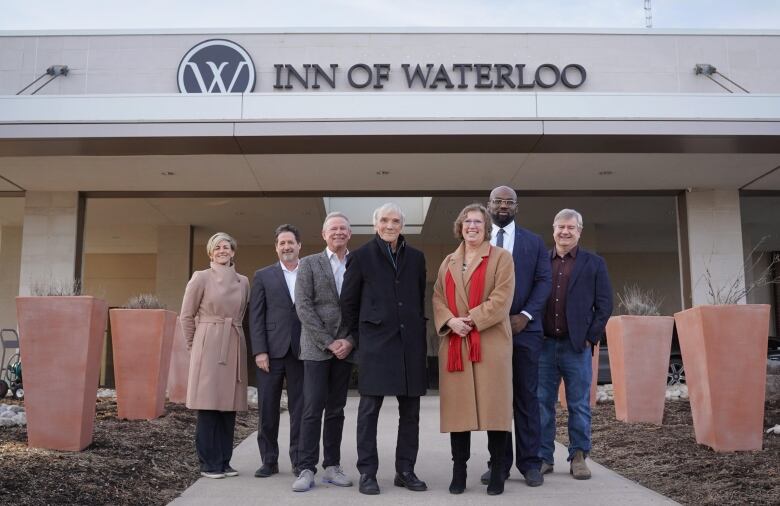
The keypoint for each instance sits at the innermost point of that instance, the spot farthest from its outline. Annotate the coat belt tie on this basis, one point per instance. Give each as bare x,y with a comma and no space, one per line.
227,326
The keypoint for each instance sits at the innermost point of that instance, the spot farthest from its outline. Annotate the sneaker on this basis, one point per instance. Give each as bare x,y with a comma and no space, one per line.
335,476
579,469
304,482
230,472
215,475
546,468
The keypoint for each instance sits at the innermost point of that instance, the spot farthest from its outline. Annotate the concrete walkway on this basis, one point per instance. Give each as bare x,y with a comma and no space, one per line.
434,466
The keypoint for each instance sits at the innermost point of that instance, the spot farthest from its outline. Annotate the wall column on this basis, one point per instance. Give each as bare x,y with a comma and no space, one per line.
711,228
49,239
10,258
173,264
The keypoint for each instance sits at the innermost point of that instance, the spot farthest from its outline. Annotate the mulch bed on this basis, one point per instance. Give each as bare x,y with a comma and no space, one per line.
667,459
128,462
153,462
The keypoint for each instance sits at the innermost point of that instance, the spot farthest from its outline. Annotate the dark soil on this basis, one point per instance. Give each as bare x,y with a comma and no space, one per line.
668,460
128,462
147,463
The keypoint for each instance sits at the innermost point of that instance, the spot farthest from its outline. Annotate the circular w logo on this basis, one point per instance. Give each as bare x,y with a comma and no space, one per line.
216,66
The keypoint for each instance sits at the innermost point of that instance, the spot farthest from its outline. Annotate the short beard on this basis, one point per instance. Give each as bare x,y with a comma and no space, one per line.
501,223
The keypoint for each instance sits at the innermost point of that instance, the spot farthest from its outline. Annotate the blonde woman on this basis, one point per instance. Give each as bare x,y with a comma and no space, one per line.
211,316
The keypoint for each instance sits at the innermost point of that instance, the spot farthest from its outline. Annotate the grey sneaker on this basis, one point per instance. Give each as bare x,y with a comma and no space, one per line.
214,475
335,476
546,468
304,482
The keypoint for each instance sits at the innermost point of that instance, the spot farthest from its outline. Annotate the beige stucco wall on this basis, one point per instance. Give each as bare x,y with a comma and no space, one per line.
117,277
10,260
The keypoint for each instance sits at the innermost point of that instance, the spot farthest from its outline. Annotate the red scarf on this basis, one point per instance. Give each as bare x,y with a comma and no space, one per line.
477,289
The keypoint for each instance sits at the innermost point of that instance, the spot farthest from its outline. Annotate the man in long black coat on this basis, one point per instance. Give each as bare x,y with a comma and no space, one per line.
382,304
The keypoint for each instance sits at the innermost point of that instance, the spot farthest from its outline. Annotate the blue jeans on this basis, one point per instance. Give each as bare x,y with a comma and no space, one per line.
559,361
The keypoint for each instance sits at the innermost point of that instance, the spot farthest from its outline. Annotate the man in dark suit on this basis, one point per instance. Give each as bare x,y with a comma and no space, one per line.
532,288
276,343
577,312
383,308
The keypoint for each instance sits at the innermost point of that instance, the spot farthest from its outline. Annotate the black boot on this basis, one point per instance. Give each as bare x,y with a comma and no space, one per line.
496,447
461,449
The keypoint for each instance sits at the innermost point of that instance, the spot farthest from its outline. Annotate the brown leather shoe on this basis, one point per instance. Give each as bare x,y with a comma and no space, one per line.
579,470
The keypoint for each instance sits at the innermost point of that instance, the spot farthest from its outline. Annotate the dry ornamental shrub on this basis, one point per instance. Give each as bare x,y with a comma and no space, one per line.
144,301
637,301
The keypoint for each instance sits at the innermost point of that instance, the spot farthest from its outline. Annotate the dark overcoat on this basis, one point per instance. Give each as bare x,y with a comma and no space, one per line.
383,308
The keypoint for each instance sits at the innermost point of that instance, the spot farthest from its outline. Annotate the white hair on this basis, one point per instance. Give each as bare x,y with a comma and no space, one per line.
389,207
567,214
336,214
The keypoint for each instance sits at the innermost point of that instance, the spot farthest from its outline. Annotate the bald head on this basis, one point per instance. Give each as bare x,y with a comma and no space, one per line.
502,205
503,192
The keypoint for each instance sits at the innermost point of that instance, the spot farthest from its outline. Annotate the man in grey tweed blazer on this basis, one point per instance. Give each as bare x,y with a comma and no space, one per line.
327,354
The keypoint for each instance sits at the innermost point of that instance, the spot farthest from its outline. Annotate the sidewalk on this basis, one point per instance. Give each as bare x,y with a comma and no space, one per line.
434,466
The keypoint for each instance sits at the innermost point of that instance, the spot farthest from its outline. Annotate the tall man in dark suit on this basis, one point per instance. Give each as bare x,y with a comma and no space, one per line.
276,343
577,313
383,306
327,356
532,288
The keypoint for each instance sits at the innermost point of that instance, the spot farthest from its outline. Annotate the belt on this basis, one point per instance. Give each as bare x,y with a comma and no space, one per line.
227,325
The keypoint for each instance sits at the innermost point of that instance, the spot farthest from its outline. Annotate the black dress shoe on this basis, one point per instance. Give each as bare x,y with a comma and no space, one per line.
267,470
368,484
409,480
533,478
485,478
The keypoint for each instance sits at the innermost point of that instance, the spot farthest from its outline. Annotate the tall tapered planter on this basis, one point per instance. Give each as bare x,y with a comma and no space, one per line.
593,382
61,345
724,352
142,340
180,368
639,348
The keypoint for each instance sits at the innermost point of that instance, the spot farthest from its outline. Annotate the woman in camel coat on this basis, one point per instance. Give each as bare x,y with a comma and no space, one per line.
471,301
211,316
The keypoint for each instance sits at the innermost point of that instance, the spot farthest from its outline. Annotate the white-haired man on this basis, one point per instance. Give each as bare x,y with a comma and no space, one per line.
327,355
383,307
577,312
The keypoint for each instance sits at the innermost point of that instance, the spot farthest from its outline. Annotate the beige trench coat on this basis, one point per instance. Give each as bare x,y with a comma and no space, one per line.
211,316
480,396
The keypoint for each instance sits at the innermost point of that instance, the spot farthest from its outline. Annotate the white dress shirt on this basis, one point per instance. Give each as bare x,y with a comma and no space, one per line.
339,268
289,277
509,236
509,245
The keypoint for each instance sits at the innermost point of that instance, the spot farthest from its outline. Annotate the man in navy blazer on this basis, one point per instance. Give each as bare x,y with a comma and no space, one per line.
576,314
532,288
275,332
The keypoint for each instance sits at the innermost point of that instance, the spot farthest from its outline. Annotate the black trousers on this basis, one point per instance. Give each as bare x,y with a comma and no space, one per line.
525,381
407,442
325,386
269,388
460,442
214,439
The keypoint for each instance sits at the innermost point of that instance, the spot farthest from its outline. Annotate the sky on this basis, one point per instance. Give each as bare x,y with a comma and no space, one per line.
157,14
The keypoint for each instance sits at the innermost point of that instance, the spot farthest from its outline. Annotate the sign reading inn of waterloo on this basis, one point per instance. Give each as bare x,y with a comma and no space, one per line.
222,66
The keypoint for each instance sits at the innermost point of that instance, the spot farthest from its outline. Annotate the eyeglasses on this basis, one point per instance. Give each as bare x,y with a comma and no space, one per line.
503,202
473,222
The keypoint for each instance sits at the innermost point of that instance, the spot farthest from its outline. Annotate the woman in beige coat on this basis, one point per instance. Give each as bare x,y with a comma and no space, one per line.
471,301
211,316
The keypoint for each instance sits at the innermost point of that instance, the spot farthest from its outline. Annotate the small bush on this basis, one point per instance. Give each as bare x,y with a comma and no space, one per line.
55,288
636,301
144,301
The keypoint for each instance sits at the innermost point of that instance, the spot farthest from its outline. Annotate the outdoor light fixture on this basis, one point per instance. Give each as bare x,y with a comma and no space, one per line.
708,70
54,71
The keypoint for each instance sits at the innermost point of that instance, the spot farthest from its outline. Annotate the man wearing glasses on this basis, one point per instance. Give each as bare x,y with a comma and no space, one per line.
533,283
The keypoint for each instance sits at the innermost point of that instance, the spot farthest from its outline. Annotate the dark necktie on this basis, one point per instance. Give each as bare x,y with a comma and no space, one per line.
500,237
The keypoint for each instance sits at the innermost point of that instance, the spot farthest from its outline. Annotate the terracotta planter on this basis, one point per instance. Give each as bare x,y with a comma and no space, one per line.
61,345
724,352
180,368
639,348
593,382
142,340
